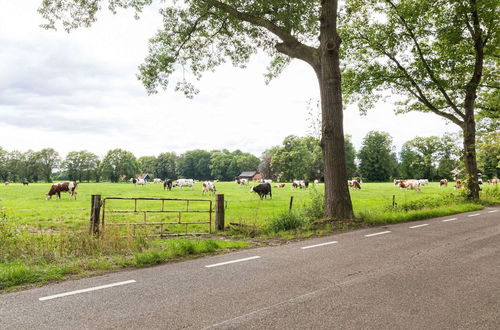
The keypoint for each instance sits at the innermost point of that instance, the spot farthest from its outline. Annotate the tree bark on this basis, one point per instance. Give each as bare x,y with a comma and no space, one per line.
338,203
470,161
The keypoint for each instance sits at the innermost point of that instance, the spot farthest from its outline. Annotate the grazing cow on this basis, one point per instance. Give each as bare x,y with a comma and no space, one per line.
443,182
458,184
167,184
140,182
316,182
493,181
57,188
25,182
242,182
409,185
281,185
262,190
423,182
133,180
7,183
302,184
157,181
355,184
184,182
208,187
268,181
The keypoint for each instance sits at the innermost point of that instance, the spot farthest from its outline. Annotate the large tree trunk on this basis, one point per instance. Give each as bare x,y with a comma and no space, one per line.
338,203
469,129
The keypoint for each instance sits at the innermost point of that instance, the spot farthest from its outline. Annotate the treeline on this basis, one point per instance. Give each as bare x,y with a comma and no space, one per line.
431,158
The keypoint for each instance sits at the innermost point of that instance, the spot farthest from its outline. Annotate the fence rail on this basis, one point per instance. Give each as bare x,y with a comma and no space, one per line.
98,218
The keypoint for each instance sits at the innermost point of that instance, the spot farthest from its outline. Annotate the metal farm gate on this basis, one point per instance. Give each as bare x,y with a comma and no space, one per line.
191,206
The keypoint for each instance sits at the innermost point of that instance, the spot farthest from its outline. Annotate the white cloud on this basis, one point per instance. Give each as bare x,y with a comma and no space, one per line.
80,91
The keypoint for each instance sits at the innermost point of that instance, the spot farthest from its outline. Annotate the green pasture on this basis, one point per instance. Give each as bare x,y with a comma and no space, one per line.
26,205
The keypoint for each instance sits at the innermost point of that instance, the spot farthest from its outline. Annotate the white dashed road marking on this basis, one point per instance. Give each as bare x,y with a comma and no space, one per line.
418,226
379,233
85,290
317,245
232,261
452,219
473,215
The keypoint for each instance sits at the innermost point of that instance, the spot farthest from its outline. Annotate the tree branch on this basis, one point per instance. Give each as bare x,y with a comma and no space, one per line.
424,61
291,46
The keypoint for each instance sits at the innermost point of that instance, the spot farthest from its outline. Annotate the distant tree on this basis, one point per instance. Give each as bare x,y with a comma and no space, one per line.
80,165
377,158
195,164
49,160
265,164
166,165
147,164
118,162
295,158
419,157
4,157
449,154
488,146
219,165
31,169
350,157
439,56
247,162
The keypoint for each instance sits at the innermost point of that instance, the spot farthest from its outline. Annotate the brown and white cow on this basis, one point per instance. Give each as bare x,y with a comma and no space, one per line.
443,182
494,181
208,187
458,184
57,188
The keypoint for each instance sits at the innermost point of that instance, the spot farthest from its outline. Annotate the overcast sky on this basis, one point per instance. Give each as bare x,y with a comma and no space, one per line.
79,91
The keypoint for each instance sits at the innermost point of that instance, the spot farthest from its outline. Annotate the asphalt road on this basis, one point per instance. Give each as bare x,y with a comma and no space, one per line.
441,273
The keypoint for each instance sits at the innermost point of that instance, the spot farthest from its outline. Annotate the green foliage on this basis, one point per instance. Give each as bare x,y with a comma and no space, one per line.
286,220
166,165
488,155
377,158
81,165
117,163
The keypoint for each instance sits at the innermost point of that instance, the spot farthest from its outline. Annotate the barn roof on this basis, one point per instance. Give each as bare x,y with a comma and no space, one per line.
142,176
249,174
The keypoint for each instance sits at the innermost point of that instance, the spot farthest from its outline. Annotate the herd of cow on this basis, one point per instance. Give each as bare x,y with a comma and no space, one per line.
263,189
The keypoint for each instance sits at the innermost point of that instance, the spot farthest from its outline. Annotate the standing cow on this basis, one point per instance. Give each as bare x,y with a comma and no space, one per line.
57,188
262,190
167,184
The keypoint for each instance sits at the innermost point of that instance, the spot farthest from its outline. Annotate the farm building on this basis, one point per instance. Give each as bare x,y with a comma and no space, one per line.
144,176
250,175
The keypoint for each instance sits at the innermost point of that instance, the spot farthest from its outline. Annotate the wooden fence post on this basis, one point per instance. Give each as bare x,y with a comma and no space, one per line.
291,203
95,214
393,201
219,212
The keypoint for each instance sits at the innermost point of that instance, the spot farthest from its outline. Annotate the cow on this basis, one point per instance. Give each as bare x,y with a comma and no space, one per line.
140,182
157,181
208,187
316,182
409,184
443,182
493,181
184,182
6,183
57,188
281,185
355,184
268,181
423,182
241,182
25,182
302,184
458,184
262,190
167,184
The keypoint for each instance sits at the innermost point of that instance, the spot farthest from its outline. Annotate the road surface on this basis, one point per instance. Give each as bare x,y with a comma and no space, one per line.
441,273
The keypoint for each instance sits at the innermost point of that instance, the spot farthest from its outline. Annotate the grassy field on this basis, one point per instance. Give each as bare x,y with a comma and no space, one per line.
26,205
42,241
